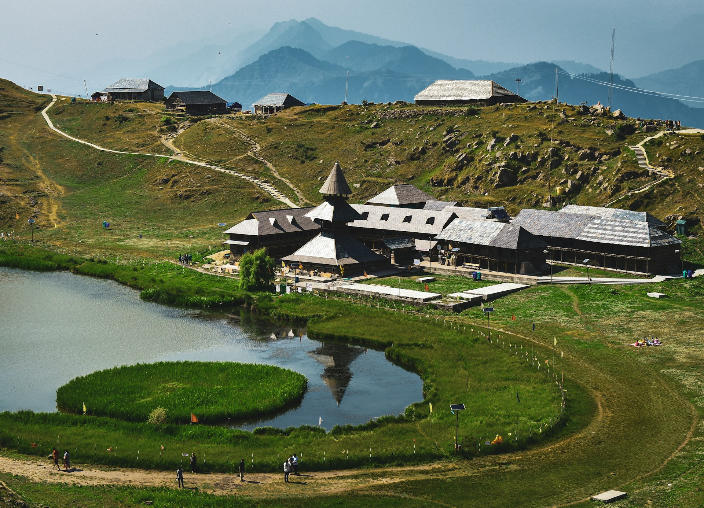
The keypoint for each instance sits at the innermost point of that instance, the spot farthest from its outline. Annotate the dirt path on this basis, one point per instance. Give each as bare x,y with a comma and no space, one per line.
255,152
265,186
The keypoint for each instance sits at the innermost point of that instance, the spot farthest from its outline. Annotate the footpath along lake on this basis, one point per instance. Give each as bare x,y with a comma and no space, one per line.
57,326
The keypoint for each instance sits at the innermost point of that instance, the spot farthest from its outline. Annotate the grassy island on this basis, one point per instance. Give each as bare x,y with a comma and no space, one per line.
214,391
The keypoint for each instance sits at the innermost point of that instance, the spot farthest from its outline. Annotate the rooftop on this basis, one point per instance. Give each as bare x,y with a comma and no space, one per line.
400,195
278,99
334,250
197,97
133,85
491,234
458,90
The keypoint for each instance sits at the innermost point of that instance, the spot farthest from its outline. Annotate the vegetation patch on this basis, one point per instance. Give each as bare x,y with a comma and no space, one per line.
213,391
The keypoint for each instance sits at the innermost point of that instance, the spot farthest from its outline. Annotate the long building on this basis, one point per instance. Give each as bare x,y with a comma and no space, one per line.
403,223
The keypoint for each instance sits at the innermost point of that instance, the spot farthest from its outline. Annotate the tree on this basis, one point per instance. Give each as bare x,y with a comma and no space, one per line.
256,270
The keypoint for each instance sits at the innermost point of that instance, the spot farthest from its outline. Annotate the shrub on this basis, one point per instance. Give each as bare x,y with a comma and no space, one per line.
158,417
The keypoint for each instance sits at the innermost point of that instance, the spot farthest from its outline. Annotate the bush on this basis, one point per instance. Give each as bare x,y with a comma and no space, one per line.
158,417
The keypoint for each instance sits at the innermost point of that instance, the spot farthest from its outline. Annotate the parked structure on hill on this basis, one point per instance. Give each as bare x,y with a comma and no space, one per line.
448,92
197,102
275,102
398,225
134,90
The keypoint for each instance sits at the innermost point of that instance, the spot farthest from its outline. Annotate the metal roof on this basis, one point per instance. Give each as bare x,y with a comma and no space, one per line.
278,99
133,85
197,97
403,220
336,184
492,234
459,90
333,249
272,222
614,213
401,242
400,195
467,213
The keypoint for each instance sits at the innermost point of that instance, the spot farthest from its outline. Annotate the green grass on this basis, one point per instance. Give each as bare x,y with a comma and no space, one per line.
215,392
443,284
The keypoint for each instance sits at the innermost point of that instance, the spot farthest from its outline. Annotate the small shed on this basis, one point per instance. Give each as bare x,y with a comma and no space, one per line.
197,102
275,102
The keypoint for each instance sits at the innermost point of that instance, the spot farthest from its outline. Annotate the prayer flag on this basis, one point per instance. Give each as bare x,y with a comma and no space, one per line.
194,419
283,265
84,408
431,406
320,420
513,318
554,341
110,449
365,273
162,447
17,215
427,288
300,266
562,354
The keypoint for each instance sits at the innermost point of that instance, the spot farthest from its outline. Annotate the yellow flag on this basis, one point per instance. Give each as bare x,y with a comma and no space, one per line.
555,341
84,408
431,406
300,266
283,265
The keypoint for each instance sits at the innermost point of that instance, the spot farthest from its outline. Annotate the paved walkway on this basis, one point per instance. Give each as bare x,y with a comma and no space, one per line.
265,186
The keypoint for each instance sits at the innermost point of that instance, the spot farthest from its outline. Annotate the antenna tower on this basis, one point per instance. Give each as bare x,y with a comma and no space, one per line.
611,72
347,85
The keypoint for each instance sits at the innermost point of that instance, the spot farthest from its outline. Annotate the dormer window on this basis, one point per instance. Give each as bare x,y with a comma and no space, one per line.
430,221
384,216
407,218
272,221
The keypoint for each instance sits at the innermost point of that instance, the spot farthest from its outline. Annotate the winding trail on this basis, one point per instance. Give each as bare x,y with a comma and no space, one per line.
265,186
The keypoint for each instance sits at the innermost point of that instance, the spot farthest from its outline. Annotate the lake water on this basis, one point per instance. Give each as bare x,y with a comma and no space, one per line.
56,326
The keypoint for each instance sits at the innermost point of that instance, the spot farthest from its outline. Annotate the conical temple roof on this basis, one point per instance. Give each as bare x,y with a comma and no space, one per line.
336,185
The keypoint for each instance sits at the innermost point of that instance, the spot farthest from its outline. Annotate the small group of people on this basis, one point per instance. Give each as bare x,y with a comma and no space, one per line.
645,341
193,461
185,259
67,459
673,125
290,466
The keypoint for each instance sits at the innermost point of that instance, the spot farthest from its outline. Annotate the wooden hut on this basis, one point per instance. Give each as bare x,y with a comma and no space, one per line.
135,90
197,102
449,92
275,102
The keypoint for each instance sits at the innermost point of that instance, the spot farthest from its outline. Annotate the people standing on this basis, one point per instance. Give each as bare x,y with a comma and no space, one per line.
294,464
242,470
179,477
67,461
55,456
194,463
287,470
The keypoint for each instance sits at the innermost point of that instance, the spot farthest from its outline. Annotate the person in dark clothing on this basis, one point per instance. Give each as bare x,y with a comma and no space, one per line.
242,470
194,463
179,477
55,456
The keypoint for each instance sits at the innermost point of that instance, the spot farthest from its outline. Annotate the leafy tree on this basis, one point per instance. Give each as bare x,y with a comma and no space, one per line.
256,270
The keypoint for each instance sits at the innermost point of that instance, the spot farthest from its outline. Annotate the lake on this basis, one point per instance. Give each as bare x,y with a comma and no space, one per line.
57,326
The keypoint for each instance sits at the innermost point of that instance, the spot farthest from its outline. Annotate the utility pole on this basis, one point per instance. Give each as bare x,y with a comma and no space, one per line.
611,72
518,85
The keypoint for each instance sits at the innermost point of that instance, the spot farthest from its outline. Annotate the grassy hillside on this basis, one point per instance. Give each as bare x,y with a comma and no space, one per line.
514,155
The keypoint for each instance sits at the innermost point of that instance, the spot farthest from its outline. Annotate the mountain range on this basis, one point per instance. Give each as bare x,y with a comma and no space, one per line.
317,63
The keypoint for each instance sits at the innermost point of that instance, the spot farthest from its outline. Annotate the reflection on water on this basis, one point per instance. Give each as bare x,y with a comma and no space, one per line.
56,326
336,358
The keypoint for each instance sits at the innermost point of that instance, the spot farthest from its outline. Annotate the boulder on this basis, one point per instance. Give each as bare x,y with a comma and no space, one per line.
619,114
490,146
504,176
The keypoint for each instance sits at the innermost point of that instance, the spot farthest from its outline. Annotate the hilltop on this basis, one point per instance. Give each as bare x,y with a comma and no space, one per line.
480,156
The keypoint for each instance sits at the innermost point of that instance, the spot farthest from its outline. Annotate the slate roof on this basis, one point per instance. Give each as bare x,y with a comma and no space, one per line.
333,249
438,205
468,213
614,213
458,90
272,222
403,220
337,210
400,195
336,184
491,234
278,99
594,228
625,232
197,97
133,85
401,242
547,223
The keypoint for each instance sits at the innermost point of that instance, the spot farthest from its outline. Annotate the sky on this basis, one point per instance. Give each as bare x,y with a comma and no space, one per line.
41,38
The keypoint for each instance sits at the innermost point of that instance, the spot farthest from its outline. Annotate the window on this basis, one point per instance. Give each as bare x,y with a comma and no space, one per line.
430,221
384,216
407,218
365,215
